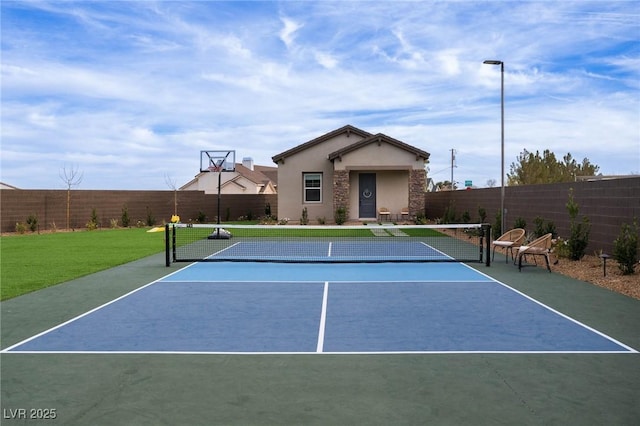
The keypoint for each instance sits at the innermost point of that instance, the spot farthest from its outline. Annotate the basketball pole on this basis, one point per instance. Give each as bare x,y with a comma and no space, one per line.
219,198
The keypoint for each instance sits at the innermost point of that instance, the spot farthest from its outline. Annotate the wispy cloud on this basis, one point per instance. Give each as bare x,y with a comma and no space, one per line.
131,91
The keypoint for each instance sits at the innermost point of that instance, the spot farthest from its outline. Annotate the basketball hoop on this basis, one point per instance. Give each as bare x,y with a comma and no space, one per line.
215,168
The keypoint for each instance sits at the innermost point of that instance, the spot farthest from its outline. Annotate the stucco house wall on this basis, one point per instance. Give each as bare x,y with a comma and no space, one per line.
341,157
290,179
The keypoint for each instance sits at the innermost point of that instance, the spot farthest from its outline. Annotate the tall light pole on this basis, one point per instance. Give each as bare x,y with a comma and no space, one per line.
502,212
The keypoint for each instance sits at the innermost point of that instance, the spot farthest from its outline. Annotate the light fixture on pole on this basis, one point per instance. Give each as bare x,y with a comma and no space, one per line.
502,211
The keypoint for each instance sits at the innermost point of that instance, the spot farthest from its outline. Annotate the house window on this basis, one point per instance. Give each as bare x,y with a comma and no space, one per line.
312,187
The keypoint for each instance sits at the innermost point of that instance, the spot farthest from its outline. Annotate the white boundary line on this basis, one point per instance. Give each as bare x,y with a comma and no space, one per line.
546,352
323,317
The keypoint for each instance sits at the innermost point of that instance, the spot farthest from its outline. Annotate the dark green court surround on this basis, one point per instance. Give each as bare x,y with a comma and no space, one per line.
509,389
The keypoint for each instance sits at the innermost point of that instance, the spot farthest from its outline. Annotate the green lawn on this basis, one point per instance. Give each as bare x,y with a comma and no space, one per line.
32,262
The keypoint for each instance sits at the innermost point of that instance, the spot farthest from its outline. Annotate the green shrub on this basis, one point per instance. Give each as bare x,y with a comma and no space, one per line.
551,229
340,215
21,228
482,213
420,219
538,230
625,250
93,221
561,248
466,217
542,228
151,220
578,231
449,214
32,222
304,220
126,221
520,223
497,225
202,218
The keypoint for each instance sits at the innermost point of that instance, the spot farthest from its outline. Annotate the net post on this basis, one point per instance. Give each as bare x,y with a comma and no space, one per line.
487,233
167,258
173,243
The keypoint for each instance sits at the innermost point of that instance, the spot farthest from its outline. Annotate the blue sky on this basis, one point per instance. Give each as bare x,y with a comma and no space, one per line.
128,93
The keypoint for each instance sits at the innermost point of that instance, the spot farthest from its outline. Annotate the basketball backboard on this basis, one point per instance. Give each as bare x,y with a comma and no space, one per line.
217,161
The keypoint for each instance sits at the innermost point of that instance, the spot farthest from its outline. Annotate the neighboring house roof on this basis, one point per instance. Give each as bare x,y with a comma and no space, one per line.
270,172
379,138
348,129
7,186
260,175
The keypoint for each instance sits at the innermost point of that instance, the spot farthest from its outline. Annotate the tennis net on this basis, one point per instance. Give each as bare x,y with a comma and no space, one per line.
346,244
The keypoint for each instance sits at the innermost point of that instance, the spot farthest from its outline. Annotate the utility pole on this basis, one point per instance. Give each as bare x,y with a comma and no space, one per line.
453,159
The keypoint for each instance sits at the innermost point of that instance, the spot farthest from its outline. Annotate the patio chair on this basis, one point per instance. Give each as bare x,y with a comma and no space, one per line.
538,247
508,241
384,214
404,213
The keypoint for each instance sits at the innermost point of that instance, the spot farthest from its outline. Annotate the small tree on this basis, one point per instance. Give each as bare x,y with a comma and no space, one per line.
171,183
304,220
126,221
71,178
482,213
625,250
578,231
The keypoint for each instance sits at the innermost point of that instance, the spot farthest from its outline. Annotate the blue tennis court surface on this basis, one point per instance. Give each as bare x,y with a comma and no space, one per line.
327,250
317,308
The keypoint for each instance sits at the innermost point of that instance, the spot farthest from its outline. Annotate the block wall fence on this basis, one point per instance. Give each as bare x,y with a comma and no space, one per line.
50,206
607,204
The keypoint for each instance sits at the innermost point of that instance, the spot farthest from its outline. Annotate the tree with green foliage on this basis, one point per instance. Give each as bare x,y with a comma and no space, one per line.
546,168
626,247
578,231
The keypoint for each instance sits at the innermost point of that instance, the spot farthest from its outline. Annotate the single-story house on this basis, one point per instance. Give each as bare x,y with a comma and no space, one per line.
355,170
246,179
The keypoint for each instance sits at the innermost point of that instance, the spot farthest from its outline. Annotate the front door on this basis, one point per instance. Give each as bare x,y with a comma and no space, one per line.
367,197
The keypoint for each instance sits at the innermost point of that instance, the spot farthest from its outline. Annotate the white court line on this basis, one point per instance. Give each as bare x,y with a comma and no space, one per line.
261,281
323,317
222,250
545,352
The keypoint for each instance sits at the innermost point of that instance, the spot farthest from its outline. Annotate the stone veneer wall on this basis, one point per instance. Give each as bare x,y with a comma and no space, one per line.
417,184
341,189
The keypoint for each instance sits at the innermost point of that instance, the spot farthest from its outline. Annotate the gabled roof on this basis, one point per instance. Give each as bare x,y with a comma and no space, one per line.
348,129
379,138
7,186
255,176
261,175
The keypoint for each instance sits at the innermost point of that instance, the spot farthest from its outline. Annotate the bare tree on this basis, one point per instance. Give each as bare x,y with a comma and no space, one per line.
71,178
491,183
171,183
